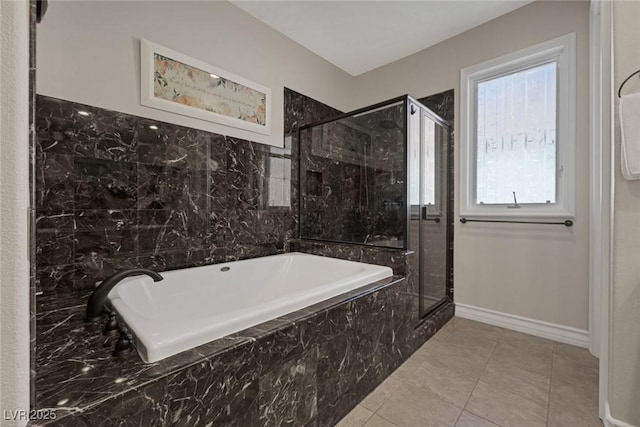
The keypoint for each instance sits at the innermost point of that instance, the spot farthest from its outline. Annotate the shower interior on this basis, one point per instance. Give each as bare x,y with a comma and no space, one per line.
379,176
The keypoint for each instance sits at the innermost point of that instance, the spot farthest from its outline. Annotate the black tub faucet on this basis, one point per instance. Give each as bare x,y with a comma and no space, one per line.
95,306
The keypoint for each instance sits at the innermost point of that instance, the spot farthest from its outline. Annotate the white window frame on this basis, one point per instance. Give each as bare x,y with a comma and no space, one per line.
562,50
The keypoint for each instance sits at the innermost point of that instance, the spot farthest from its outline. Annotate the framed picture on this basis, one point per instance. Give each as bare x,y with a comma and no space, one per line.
177,83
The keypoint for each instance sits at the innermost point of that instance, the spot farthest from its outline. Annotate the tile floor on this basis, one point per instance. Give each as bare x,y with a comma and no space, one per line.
475,375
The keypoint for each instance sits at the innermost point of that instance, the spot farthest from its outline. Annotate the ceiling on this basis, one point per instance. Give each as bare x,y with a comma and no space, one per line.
359,36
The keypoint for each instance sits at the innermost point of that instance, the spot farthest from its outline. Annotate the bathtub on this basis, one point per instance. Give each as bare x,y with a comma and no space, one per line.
193,306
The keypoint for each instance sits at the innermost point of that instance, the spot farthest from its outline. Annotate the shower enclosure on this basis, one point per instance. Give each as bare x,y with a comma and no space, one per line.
379,176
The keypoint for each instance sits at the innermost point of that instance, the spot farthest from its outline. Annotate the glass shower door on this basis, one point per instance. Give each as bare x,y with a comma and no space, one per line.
433,214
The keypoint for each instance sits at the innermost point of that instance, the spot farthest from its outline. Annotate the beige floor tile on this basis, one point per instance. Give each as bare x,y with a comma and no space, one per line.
521,356
571,405
449,385
505,408
462,360
481,329
517,380
356,418
575,373
406,370
443,332
378,421
413,407
528,342
467,419
478,342
377,397
575,354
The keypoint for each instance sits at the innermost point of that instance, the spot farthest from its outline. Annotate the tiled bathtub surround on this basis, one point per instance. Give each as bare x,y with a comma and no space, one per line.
307,368
115,191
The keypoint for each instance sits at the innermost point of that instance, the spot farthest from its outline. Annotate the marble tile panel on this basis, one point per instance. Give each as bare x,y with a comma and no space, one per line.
288,393
172,230
105,219
92,244
219,391
104,184
99,134
246,172
168,145
95,268
58,221
56,278
55,182
55,247
172,188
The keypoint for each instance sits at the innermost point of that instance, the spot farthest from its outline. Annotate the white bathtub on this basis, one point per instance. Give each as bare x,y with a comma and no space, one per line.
193,306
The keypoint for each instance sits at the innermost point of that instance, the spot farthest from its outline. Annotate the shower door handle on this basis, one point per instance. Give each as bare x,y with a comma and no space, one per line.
426,218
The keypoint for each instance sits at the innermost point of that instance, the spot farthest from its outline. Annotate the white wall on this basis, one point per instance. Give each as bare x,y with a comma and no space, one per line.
14,209
538,272
88,52
624,350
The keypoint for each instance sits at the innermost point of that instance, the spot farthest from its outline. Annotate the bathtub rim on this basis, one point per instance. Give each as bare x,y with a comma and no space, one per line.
217,347
160,349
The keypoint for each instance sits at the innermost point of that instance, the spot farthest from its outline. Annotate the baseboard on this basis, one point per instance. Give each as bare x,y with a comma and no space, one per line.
609,421
552,331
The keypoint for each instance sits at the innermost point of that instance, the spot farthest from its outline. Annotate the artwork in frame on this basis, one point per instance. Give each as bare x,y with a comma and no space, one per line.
177,83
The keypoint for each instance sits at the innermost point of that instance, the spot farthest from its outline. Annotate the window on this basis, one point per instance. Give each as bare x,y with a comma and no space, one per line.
518,134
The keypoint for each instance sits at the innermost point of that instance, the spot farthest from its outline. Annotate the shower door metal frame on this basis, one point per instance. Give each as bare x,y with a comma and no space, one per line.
448,217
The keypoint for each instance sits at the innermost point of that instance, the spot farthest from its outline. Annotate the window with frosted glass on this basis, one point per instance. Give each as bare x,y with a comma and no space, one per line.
516,137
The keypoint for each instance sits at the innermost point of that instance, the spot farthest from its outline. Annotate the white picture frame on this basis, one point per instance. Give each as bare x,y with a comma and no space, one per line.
180,87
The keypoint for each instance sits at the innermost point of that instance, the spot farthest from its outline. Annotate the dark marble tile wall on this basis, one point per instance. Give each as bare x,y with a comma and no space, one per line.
116,191
352,178
300,110
308,368
392,258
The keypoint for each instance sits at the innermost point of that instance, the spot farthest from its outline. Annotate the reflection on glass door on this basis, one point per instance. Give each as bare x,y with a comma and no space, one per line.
433,214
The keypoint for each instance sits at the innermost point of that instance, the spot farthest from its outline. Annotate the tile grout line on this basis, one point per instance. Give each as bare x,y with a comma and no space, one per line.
464,408
370,416
389,421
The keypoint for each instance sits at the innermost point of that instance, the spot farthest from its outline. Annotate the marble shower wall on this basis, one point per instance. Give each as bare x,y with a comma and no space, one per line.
117,191
353,178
